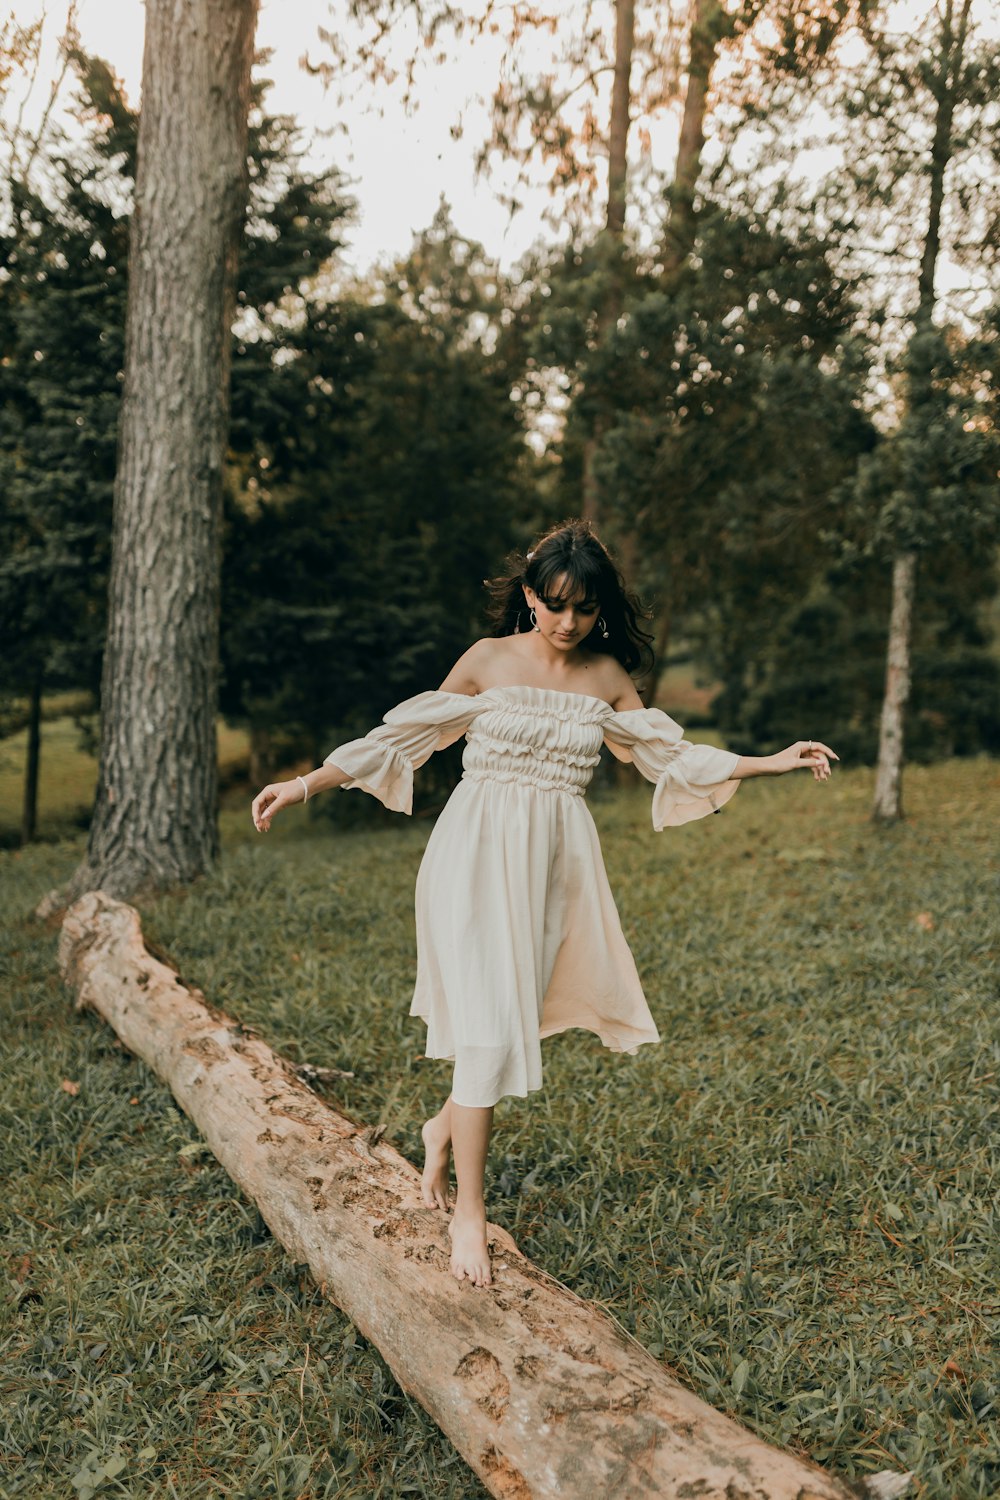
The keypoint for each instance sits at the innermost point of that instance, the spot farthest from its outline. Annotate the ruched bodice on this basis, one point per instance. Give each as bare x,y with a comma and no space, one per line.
534,738
518,935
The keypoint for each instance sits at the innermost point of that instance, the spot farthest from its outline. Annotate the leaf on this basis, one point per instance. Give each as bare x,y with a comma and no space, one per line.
894,1211
146,1453
740,1375
114,1465
193,1148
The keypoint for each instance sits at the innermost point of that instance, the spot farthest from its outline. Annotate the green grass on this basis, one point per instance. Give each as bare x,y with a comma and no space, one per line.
792,1200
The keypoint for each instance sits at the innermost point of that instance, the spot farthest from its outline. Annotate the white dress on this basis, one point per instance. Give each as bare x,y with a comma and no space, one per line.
518,935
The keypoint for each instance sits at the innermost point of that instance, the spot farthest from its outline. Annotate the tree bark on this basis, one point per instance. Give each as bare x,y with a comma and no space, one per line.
155,817
29,814
621,110
709,23
542,1394
261,755
888,806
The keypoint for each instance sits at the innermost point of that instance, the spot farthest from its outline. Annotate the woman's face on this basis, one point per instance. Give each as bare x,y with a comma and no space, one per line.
564,617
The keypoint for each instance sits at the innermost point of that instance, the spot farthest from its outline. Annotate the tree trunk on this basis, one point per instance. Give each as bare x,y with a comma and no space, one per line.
261,756
155,817
708,25
661,647
541,1393
610,309
888,805
889,777
29,816
621,110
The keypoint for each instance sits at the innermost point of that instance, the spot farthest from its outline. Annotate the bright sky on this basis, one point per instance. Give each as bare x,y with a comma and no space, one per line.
400,165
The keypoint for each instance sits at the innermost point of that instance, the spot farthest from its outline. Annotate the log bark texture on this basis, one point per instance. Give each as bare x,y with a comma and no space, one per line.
541,1393
155,817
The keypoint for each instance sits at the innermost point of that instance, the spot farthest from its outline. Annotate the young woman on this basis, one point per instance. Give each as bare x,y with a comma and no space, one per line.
518,935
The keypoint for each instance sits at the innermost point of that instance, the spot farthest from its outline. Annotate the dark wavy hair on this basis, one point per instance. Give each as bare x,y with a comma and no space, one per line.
564,561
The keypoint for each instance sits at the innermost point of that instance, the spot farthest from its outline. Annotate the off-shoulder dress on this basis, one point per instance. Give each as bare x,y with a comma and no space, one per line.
518,935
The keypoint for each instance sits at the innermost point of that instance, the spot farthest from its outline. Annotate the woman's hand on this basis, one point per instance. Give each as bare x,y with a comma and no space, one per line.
272,799
809,755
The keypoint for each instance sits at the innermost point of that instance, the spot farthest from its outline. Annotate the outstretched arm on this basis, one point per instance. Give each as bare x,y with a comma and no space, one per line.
463,680
804,755
281,794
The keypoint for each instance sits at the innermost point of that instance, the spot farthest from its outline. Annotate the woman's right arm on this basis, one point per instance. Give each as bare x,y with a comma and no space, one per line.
463,679
281,794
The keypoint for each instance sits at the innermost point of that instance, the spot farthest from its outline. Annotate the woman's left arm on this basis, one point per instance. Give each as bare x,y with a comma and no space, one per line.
804,755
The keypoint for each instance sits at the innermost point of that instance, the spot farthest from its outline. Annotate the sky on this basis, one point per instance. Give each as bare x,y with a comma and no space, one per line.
399,165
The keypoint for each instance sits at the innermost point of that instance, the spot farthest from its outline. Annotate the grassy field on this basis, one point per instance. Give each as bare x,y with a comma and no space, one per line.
793,1200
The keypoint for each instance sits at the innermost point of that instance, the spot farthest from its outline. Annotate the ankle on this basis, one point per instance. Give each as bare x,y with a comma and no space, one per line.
471,1209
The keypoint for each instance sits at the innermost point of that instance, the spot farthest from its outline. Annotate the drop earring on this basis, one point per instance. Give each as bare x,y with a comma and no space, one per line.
602,627
534,620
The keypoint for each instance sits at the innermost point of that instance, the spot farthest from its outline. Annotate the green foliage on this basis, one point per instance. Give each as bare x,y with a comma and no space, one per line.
791,1200
63,280
387,478
819,669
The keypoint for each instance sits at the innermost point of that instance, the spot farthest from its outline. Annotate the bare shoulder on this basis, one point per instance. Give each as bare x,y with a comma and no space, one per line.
472,670
619,689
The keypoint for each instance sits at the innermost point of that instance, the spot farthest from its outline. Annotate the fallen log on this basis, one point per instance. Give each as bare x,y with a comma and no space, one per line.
542,1394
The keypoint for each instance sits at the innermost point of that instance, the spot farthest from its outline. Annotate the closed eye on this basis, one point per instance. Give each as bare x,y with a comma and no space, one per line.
588,607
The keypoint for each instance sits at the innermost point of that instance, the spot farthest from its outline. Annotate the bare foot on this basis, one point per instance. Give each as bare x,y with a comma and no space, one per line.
437,1148
470,1256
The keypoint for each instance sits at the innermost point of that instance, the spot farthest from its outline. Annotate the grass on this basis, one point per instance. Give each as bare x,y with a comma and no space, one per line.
792,1200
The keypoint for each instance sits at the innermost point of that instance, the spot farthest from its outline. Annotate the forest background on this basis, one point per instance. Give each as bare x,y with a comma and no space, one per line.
764,362
768,374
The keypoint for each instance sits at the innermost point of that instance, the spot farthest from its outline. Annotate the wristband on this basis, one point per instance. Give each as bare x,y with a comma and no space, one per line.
305,787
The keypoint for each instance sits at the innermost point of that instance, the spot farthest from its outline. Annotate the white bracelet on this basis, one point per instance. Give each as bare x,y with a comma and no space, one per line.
304,787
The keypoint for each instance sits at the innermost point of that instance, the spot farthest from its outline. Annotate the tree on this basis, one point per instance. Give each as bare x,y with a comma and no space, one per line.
63,279
389,476
943,79
62,314
155,819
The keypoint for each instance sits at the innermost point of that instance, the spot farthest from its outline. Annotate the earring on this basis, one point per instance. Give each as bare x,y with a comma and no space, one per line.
534,620
602,627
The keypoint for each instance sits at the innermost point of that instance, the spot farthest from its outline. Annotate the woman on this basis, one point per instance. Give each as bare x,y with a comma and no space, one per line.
518,935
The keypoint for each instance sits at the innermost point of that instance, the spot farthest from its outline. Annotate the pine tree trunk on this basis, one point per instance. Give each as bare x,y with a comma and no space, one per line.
888,806
155,818
29,817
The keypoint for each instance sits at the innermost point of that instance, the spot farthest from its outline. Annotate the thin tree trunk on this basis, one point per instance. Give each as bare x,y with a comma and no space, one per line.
661,647
621,111
888,805
261,755
610,310
709,24
29,817
541,1393
155,820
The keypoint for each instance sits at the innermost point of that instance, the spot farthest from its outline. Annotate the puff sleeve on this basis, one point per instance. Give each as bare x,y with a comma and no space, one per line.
384,760
691,780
